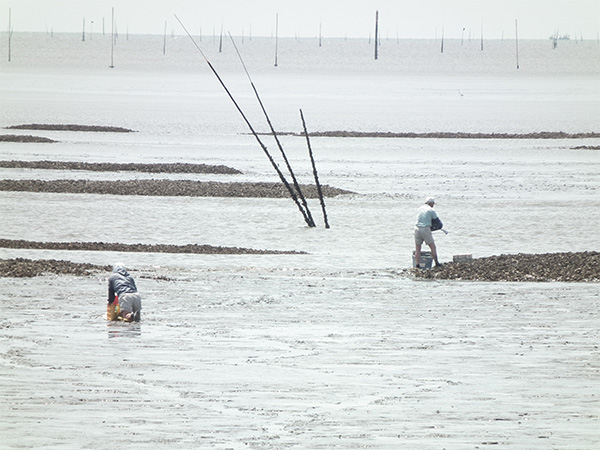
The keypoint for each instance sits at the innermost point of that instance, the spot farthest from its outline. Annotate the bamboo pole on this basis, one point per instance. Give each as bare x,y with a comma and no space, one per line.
254,133
306,210
317,183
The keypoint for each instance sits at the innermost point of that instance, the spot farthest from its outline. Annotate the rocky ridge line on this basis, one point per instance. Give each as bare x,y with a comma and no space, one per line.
566,267
165,188
145,248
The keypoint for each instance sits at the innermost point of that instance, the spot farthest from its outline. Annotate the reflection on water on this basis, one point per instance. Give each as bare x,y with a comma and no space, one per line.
120,329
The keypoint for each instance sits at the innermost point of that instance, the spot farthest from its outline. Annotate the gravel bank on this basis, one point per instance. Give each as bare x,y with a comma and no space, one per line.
143,248
125,167
25,138
180,188
581,266
563,267
70,127
27,268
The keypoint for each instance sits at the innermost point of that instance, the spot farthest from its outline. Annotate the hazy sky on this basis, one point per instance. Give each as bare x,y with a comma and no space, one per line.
537,19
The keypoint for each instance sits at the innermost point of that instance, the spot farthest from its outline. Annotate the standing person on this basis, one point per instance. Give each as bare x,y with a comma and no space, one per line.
425,216
121,284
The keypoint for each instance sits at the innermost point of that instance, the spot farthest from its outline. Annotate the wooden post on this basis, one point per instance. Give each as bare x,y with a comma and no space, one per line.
9,33
112,38
442,47
165,39
376,32
276,36
221,39
481,36
83,32
517,41
320,34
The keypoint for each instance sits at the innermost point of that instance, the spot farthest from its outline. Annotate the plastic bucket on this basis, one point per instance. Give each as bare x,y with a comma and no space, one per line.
426,260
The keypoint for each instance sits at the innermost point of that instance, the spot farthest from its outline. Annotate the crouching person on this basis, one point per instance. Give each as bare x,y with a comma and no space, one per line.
122,286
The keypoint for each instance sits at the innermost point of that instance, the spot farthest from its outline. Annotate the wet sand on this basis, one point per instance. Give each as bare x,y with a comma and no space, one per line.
236,355
295,359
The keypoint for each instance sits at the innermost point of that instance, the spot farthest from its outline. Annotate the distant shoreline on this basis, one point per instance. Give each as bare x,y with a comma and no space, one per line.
448,135
160,35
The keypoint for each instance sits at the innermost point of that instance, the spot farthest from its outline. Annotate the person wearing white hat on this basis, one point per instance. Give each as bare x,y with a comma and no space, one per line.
426,216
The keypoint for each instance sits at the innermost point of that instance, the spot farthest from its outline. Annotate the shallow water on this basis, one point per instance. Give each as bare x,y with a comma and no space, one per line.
336,348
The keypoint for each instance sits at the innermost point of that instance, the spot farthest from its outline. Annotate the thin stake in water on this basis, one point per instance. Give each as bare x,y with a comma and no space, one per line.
517,41
9,33
276,39
376,32
317,183
112,38
308,215
262,145
165,39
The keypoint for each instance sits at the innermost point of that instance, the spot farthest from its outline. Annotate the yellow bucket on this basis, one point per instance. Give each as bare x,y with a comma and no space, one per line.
112,310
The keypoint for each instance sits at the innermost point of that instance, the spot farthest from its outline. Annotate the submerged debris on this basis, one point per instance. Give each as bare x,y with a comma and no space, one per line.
180,188
145,248
69,127
121,167
586,147
581,266
21,267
